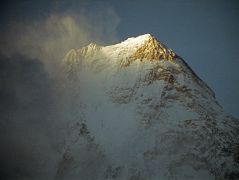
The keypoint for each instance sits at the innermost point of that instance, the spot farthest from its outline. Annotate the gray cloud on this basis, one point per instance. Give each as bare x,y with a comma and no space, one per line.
26,101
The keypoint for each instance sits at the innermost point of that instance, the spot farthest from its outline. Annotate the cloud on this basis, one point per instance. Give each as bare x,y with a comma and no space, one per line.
32,111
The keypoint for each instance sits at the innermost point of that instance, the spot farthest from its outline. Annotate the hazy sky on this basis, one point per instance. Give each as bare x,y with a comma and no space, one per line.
204,33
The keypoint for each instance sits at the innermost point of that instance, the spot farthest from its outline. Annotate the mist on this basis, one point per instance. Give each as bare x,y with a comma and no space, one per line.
49,39
36,106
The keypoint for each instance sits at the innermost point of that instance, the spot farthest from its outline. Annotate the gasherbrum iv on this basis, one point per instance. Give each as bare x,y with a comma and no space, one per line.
143,114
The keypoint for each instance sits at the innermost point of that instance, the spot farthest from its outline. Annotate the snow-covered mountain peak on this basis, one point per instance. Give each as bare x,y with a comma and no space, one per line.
138,111
152,49
143,47
139,40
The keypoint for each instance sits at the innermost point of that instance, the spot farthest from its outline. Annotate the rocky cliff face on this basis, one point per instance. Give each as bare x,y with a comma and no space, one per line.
142,113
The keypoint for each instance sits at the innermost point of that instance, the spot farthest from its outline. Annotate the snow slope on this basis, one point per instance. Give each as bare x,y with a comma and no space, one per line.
142,113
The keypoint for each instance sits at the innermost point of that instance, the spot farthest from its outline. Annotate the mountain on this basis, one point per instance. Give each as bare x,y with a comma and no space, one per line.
139,112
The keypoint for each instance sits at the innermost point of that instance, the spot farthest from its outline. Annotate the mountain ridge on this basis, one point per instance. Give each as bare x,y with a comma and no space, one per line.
145,47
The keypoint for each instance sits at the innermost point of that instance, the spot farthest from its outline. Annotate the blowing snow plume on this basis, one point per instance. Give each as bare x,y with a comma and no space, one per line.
50,38
33,125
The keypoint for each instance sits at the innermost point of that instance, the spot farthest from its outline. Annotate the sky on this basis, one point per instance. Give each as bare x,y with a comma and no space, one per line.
35,35
204,33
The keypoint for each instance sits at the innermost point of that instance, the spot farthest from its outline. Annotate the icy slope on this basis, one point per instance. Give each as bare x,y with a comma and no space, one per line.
140,112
